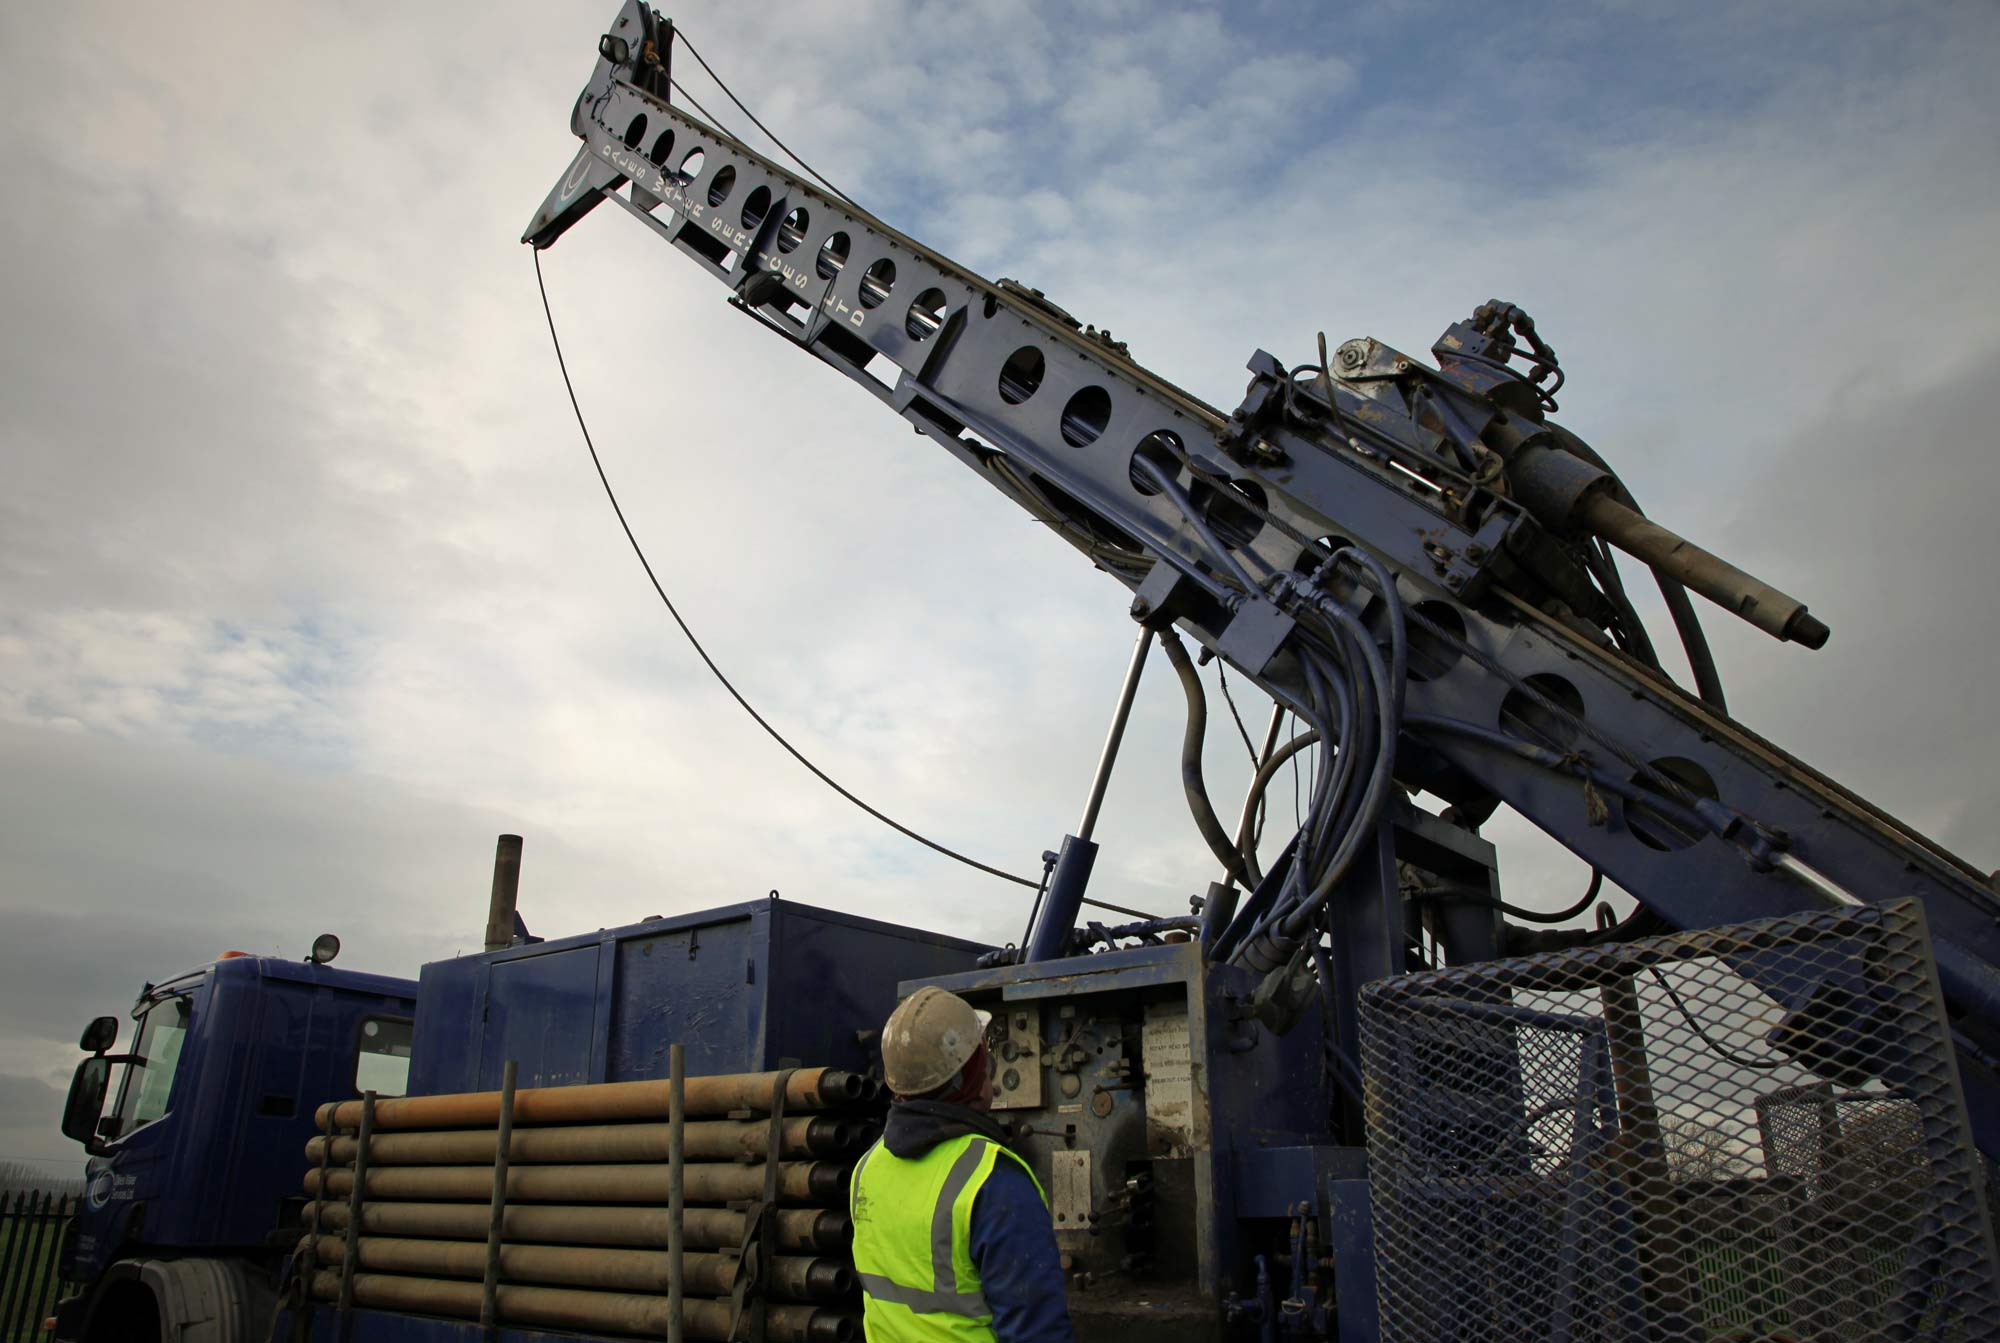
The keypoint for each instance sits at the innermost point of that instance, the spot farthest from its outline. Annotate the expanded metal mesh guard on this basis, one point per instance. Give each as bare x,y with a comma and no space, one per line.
1748,1133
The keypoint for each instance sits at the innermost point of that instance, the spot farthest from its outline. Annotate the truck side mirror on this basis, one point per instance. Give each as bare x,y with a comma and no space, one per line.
86,1101
99,1035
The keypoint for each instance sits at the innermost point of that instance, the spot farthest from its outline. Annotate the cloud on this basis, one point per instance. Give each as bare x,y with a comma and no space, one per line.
161,675
306,588
1889,488
30,1119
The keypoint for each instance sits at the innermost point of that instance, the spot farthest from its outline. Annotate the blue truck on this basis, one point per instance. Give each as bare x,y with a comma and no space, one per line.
194,1134
197,1130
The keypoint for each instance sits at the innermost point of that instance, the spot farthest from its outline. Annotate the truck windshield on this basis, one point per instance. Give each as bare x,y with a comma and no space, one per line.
156,1057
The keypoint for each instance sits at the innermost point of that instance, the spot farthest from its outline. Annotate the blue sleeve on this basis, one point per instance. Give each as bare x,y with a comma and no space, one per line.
1020,1270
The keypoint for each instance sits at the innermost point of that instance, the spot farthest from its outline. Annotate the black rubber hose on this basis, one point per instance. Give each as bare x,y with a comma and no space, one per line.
1169,487
1388,697
1205,819
1694,639
1516,940
1254,876
1638,642
1466,895
1259,903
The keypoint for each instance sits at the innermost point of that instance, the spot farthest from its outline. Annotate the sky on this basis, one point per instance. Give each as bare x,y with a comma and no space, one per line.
307,590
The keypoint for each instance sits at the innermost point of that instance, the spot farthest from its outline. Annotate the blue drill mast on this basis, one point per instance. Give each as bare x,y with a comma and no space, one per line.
1416,561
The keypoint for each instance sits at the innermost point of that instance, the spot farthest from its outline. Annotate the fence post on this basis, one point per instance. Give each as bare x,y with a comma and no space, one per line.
32,1277
13,1219
72,1204
45,1300
32,1224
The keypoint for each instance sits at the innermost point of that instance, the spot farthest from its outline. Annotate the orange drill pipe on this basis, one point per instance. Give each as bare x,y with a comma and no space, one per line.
705,1319
707,1182
713,1140
644,1228
601,1102
794,1277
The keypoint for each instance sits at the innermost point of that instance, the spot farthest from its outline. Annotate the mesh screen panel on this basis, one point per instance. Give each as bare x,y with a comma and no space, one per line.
1748,1133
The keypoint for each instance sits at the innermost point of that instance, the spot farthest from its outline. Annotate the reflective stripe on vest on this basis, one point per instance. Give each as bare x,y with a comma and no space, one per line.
904,1233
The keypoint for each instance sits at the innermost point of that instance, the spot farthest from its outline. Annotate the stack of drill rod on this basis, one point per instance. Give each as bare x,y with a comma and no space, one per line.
570,1226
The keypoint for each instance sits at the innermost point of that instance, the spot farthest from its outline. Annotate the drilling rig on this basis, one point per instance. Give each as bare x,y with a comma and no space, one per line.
1355,1093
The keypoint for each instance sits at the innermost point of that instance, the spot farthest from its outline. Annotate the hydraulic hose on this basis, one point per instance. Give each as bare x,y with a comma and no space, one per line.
1387,691
1369,692
1372,799
1177,496
1467,895
1192,784
1694,641
1630,631
1268,771
1516,940
1687,623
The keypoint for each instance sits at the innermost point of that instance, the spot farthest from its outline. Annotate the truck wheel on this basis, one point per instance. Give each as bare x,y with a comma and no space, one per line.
125,1309
183,1301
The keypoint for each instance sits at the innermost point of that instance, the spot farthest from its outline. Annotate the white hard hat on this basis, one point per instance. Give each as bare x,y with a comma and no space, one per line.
929,1037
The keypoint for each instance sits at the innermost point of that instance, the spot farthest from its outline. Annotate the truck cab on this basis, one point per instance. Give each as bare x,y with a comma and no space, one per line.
196,1136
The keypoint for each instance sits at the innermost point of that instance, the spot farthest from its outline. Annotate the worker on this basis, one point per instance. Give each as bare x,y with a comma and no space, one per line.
952,1238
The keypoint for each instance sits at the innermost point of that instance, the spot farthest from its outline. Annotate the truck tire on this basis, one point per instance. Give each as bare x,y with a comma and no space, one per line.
122,1307
182,1301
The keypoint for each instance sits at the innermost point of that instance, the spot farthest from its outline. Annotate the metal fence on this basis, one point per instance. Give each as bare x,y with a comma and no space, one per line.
32,1223
1744,1133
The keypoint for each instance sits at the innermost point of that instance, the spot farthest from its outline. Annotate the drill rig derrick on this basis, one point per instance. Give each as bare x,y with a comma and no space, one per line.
1411,557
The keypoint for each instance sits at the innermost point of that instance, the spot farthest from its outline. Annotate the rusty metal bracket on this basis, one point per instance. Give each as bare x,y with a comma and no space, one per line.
676,1188
489,1287
767,1213
355,1197
295,1293
307,1263
754,1267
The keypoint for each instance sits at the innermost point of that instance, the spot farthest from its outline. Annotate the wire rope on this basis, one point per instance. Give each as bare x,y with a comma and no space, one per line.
1715,1046
813,172
702,652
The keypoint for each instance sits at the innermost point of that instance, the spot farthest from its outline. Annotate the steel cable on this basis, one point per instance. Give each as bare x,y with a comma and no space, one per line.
702,653
812,172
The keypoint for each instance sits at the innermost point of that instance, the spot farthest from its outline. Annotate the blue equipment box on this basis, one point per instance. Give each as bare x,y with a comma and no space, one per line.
745,988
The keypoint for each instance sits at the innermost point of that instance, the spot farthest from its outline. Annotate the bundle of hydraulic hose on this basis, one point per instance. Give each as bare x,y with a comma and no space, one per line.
606,1208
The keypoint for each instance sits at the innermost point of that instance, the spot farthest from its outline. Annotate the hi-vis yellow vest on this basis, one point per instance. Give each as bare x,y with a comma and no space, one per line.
913,1240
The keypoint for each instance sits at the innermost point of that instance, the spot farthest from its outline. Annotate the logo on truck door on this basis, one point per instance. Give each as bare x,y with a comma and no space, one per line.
107,1186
